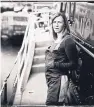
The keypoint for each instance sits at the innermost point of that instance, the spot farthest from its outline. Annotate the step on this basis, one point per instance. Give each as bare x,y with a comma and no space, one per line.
35,92
40,51
42,43
41,36
38,68
39,59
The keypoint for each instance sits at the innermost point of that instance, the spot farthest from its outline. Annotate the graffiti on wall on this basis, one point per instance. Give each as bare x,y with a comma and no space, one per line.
84,23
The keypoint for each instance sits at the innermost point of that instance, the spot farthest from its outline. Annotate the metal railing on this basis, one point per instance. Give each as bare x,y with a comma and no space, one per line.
23,60
81,46
3,90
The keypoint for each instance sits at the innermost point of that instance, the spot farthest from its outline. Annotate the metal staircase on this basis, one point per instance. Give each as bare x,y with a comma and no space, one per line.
39,57
36,90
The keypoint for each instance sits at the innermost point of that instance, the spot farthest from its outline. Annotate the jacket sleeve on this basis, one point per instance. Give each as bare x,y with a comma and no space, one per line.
72,54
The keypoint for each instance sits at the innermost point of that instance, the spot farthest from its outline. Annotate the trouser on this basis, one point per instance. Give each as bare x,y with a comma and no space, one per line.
69,93
72,96
54,94
53,82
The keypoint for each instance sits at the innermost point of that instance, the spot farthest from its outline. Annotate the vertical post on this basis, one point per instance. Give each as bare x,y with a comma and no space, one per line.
70,11
61,7
65,7
74,9
5,94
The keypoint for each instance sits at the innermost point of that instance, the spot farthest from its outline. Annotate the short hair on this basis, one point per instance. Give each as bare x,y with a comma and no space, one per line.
66,25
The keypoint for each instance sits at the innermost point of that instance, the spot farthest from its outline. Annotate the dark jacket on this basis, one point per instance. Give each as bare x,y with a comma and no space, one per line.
65,58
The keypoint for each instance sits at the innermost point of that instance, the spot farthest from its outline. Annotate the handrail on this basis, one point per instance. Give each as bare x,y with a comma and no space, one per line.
17,55
27,58
85,49
5,81
74,34
24,46
15,62
21,56
20,53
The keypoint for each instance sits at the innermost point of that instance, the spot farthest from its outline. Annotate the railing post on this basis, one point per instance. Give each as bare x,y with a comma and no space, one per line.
61,7
70,11
5,94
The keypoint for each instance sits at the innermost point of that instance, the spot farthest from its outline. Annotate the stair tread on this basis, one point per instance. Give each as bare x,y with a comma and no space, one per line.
39,56
39,48
43,43
39,65
46,40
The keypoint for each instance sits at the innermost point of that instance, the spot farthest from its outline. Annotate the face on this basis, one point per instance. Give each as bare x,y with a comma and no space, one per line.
58,24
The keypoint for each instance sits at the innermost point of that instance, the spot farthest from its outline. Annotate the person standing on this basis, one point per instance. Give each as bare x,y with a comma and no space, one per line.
61,58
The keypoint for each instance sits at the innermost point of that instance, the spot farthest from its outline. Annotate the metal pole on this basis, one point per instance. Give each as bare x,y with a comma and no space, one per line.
61,7
74,10
65,7
5,94
70,11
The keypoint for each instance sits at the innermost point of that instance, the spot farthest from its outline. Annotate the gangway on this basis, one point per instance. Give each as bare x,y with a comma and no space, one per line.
30,80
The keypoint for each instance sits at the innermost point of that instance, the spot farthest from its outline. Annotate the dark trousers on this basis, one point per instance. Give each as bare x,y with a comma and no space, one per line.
53,82
71,96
